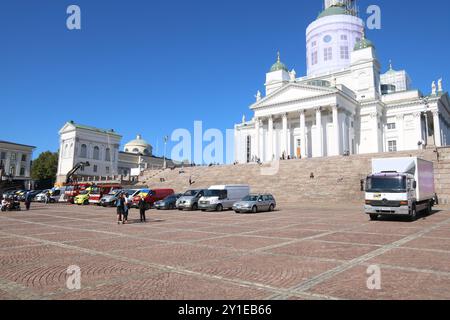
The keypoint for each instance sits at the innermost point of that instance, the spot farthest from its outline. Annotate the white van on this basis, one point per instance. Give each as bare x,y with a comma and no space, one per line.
222,197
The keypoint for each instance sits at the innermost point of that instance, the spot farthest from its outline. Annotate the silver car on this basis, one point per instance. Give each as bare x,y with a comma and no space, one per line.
255,203
189,200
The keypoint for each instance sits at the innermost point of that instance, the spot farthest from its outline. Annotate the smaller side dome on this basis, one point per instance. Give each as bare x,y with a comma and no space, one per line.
278,65
363,43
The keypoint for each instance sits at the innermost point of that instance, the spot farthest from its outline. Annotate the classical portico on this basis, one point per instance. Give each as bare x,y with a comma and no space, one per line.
344,104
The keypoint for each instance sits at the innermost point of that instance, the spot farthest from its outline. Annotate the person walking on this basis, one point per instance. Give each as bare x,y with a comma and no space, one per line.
119,205
28,200
125,208
142,208
47,197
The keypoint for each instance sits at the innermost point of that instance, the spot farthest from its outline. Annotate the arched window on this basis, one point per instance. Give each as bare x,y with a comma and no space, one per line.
136,150
96,153
83,151
108,154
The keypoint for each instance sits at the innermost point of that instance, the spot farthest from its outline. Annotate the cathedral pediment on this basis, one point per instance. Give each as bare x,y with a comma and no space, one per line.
293,92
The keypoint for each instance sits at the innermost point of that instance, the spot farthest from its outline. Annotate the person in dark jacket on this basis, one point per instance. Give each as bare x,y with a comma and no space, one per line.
119,205
142,208
28,200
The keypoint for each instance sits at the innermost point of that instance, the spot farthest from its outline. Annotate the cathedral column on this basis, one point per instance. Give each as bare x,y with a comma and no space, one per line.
303,152
401,133
319,132
351,134
337,139
270,138
437,128
257,137
284,136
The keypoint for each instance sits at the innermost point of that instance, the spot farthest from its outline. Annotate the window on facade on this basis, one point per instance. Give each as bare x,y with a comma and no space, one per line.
3,155
314,43
391,126
66,151
328,54
13,156
24,158
108,154
22,172
314,59
96,155
344,52
82,169
12,170
358,39
83,151
343,37
95,168
107,170
392,146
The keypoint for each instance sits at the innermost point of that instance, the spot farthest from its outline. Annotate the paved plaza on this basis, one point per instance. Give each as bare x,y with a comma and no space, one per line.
307,253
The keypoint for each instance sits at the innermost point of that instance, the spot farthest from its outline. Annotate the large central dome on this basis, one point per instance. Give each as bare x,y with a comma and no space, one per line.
139,146
331,38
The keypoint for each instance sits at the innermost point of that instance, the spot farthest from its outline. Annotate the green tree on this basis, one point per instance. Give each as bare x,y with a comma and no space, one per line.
45,166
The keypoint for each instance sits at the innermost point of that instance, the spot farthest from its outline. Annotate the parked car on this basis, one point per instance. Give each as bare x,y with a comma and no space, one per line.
110,199
189,200
222,197
168,203
57,195
151,197
99,190
83,197
34,193
255,203
40,197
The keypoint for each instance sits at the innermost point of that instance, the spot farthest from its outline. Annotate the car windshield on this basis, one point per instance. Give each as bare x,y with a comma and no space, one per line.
250,198
84,192
190,193
395,184
213,193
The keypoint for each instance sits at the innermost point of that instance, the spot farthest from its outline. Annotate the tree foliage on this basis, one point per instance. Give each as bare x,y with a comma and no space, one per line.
45,166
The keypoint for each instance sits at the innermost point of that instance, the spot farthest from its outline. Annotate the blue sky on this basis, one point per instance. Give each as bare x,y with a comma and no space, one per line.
150,67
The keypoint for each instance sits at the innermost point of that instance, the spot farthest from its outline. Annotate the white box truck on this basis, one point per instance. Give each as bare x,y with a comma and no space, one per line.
400,186
222,197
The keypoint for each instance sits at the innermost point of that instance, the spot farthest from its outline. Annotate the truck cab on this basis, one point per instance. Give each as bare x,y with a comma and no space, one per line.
399,186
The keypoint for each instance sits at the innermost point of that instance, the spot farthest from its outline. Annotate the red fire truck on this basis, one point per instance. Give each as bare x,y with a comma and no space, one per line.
100,190
74,190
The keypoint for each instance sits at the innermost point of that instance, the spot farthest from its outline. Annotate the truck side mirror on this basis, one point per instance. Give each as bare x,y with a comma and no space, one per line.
415,185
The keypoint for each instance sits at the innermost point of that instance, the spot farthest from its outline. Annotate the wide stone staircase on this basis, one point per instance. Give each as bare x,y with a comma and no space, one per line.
319,180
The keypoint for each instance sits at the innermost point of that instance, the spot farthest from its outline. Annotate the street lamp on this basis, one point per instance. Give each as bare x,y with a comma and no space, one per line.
166,138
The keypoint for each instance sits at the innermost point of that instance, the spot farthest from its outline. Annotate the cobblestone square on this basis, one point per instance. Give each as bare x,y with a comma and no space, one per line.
293,253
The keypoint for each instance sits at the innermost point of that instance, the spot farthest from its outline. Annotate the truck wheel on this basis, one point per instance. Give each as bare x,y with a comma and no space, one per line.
429,208
195,207
219,208
86,202
373,217
413,213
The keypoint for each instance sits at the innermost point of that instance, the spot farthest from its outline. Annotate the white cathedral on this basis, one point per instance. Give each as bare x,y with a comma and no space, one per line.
344,105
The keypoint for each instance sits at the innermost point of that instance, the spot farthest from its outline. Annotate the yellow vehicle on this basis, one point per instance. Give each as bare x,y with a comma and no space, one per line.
83,197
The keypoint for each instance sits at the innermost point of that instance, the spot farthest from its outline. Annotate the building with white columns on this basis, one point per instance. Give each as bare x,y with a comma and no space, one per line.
344,105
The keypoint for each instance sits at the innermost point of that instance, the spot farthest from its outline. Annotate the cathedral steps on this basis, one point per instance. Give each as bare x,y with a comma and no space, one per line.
336,179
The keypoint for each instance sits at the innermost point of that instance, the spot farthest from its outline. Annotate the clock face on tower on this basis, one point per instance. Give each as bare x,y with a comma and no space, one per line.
327,39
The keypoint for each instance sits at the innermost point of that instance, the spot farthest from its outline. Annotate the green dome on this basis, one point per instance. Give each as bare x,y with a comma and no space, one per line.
332,11
363,44
279,65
